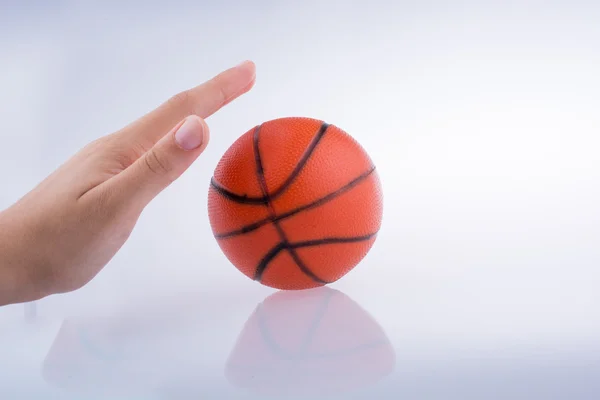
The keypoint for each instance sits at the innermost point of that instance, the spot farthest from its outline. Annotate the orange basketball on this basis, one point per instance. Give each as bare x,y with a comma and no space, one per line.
295,203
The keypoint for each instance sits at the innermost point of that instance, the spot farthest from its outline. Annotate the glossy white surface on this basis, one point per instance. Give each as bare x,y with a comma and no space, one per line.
483,122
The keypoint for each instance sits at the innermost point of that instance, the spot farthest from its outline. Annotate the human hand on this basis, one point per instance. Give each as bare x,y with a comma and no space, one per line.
62,233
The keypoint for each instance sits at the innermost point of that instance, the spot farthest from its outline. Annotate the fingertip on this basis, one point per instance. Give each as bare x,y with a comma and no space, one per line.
249,68
247,64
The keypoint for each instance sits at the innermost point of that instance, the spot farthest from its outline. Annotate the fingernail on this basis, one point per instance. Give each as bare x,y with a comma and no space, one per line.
190,134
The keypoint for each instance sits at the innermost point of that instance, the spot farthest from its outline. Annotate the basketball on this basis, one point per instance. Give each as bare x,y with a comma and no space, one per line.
295,203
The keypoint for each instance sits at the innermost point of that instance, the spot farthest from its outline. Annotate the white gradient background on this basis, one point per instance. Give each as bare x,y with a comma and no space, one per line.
482,118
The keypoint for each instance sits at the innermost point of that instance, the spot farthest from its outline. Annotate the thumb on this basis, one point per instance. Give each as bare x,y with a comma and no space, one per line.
166,161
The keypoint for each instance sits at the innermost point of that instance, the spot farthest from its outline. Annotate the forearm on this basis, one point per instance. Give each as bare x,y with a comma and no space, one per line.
15,286
8,280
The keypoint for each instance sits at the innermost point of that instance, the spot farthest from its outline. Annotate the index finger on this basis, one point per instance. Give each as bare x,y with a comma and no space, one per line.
202,100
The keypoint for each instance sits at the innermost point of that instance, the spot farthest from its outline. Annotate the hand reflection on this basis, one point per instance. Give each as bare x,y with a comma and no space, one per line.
309,342
167,346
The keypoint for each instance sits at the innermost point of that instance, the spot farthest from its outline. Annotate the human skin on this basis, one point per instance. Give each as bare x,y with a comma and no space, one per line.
57,237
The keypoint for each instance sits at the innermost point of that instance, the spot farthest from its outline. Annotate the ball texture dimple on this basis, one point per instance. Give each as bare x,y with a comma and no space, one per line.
295,203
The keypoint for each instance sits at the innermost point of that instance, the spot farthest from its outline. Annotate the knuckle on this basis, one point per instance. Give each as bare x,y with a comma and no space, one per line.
93,147
218,94
156,164
123,159
122,152
221,94
102,149
100,142
183,101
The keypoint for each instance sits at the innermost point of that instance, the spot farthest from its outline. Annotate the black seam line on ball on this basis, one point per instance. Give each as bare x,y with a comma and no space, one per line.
245,199
242,199
332,240
260,173
319,202
271,254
